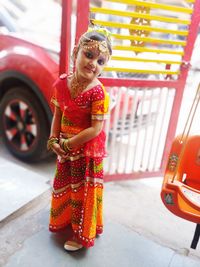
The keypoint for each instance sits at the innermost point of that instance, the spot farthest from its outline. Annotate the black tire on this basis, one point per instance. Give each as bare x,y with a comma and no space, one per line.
24,125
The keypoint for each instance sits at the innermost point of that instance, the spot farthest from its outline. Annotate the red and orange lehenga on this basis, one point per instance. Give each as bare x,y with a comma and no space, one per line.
78,183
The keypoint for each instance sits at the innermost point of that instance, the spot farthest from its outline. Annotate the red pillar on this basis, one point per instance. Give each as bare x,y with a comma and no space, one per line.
65,40
82,18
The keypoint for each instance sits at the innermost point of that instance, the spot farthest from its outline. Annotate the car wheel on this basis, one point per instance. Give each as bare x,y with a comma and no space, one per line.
24,125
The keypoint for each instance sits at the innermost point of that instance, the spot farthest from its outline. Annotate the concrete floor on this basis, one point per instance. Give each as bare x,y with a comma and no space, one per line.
139,230
119,246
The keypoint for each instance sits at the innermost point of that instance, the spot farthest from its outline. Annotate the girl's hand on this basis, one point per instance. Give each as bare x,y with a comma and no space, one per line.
58,150
61,142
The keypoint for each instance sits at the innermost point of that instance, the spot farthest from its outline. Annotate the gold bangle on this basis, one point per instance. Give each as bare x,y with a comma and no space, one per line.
51,141
62,144
66,145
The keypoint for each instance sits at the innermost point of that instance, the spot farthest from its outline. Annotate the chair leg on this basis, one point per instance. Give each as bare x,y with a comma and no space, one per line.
196,237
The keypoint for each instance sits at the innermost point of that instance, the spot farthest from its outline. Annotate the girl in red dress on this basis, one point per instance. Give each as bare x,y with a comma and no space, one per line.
77,137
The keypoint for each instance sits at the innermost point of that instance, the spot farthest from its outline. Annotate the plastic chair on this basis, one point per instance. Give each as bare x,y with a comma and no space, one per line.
181,185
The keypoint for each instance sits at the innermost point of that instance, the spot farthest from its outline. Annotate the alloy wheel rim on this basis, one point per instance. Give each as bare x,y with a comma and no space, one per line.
20,125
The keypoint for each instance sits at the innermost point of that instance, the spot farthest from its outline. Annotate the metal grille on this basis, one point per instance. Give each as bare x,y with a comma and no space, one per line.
136,129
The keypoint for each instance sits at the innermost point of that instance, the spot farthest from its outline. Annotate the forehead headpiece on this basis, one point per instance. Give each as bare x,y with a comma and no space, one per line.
88,43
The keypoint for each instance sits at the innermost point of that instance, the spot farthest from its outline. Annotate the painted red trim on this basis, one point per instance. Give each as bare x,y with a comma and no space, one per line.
139,83
193,30
82,18
131,176
65,44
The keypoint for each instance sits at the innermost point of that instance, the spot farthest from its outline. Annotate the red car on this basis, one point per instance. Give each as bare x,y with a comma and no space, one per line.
27,72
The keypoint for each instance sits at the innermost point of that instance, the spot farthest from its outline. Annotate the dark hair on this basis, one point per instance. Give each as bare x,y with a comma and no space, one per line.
94,35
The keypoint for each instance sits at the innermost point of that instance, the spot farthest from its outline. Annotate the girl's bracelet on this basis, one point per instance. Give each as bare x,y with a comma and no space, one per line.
62,140
51,141
66,145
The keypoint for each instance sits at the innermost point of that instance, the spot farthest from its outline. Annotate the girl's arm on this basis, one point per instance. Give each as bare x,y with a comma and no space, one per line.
86,134
55,131
56,122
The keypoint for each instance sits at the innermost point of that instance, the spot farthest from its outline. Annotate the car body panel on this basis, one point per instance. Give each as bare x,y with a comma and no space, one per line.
29,60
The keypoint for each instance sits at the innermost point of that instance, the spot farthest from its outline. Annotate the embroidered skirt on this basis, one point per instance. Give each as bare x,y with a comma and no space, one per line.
77,197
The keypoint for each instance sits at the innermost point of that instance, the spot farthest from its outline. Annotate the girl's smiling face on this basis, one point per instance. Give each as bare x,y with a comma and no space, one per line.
90,62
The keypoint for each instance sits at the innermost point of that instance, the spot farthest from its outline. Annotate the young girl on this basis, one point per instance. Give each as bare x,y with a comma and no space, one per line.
81,106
